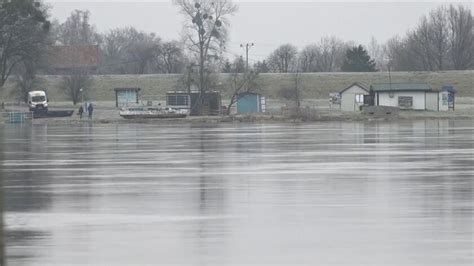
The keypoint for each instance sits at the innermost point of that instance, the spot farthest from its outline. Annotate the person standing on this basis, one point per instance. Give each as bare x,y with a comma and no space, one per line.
81,110
89,110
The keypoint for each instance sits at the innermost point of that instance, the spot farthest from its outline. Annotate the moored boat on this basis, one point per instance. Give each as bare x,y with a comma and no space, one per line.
151,112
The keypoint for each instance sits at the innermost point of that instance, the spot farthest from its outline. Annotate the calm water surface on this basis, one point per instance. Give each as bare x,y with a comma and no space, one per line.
318,194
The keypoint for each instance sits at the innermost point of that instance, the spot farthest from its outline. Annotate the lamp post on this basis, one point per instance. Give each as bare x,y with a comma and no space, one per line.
82,95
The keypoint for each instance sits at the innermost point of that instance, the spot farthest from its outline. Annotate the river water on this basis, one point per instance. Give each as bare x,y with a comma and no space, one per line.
334,193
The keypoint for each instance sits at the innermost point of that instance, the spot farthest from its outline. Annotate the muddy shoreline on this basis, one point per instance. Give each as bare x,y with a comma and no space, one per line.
107,113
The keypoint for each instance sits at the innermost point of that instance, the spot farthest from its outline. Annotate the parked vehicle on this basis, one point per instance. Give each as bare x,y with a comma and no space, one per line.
38,104
37,101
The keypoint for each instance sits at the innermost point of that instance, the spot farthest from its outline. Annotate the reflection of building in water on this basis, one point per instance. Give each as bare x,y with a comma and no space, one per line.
19,192
212,229
24,145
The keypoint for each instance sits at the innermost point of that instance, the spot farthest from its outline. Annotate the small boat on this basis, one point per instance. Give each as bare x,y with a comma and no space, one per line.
151,112
53,113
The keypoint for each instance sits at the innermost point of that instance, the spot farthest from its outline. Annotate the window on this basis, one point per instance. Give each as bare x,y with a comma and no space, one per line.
38,99
177,100
359,98
405,101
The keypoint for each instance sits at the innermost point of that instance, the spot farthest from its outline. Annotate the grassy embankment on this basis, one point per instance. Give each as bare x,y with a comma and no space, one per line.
313,85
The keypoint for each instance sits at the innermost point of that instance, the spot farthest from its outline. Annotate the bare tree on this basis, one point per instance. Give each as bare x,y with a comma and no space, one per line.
283,59
325,56
76,85
23,34
308,58
261,67
378,53
143,49
442,40
171,57
239,65
26,79
77,30
113,51
420,45
205,30
429,41
462,37
332,52
402,55
129,51
439,36
293,95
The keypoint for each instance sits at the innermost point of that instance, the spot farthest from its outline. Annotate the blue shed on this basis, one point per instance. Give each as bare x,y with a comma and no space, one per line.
250,102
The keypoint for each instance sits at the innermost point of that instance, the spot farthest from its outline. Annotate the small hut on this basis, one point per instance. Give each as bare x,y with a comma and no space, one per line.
211,101
250,102
352,97
126,96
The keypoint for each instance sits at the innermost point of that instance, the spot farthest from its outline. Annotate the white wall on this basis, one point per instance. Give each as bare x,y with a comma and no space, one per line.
384,99
432,101
348,99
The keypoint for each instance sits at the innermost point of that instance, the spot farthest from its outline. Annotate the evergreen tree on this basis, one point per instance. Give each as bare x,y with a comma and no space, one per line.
358,60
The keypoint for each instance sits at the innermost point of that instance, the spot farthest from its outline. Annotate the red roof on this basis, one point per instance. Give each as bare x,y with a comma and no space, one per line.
74,56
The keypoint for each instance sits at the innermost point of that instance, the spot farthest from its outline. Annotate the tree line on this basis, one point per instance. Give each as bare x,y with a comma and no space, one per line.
443,40
124,50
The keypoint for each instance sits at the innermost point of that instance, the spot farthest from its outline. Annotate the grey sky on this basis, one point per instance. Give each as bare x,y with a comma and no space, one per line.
266,23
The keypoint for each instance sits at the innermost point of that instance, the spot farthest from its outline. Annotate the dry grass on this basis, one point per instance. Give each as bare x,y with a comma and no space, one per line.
313,85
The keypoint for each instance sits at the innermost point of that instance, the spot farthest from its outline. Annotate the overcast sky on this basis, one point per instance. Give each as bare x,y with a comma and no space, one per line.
265,23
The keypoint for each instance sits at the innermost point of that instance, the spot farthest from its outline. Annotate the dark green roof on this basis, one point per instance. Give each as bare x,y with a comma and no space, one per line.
400,87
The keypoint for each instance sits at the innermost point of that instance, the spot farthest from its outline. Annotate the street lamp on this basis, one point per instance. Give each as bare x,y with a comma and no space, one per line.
82,95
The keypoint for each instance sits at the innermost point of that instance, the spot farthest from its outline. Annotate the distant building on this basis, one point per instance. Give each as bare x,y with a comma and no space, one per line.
190,101
447,101
250,102
407,96
126,96
352,97
64,59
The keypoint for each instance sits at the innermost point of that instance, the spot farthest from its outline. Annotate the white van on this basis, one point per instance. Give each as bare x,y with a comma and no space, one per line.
37,101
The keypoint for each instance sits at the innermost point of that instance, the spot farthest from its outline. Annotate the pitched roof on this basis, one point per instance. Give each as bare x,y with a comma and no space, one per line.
126,89
381,87
358,84
73,56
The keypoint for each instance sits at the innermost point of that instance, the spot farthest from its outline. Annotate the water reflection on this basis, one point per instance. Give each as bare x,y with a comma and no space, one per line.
240,194
2,242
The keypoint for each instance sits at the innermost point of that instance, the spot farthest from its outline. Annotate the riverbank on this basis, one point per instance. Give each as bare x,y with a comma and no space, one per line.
105,112
265,118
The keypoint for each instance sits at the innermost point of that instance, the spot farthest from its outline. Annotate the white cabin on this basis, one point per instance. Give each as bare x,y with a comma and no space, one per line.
352,97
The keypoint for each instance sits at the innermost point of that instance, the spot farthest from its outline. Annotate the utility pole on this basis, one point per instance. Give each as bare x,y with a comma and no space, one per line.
389,65
389,76
247,48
